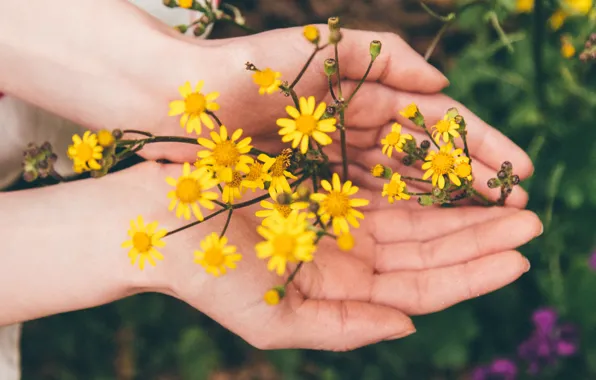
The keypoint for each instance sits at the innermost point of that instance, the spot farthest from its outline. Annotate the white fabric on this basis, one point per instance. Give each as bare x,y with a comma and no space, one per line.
21,123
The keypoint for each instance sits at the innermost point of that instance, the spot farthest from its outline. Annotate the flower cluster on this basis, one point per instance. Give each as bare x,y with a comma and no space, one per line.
499,369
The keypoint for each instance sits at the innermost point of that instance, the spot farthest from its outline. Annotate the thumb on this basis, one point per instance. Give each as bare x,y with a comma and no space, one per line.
346,325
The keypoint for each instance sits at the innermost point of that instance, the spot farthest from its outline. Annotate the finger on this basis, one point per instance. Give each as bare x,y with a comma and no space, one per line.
425,224
345,325
467,243
423,292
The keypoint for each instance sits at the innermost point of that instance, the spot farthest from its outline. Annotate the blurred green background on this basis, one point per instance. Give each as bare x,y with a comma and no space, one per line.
547,108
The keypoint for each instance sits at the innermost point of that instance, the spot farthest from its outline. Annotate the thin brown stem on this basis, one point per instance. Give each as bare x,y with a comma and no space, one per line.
361,81
308,62
196,222
225,228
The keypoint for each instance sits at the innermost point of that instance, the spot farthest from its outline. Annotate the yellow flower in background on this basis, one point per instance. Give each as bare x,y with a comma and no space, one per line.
524,6
277,167
394,140
267,80
442,163
144,240
338,205
567,48
395,189
287,240
226,155
445,128
464,170
194,107
311,33
216,256
346,242
410,112
256,177
105,138
569,8
190,192
557,19
185,3
306,124
271,297
85,152
232,190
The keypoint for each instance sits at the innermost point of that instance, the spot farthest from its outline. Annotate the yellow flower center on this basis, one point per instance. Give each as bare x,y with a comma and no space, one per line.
214,257
442,163
188,190
337,204
226,153
271,297
463,170
284,245
395,187
443,126
195,103
306,124
280,165
256,169
105,138
84,152
284,210
393,138
141,241
265,78
236,179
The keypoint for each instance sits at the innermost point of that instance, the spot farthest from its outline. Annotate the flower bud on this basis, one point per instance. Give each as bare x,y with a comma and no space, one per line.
170,3
425,144
333,23
181,28
452,113
507,166
303,192
330,110
330,66
284,198
311,33
334,37
117,133
501,175
199,30
493,183
273,296
375,49
314,207
407,161
515,179
346,241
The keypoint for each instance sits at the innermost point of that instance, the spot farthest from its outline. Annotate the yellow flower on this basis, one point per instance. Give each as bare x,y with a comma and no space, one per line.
557,19
464,170
287,240
378,170
410,112
216,256
338,206
311,33
394,140
144,239
306,123
395,189
441,164
85,153
233,190
524,6
190,191
445,128
224,154
267,80
578,6
105,138
194,107
256,177
567,48
346,242
185,3
271,297
279,174
275,208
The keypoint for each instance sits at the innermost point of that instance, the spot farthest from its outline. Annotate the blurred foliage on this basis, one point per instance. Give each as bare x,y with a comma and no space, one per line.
547,109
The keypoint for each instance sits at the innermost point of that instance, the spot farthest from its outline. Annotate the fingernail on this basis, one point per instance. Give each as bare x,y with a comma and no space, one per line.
541,229
528,265
402,335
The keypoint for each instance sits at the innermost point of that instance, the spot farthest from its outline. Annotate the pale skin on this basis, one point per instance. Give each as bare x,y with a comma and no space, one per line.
61,245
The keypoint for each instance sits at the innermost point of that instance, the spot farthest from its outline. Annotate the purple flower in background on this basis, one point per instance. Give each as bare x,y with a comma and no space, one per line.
499,369
549,341
592,261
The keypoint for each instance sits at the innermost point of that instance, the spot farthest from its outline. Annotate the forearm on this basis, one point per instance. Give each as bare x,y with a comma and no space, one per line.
60,246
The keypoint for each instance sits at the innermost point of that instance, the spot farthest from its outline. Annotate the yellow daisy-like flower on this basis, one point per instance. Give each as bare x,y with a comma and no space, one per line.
226,155
524,6
311,33
233,190
346,242
105,138
190,191
144,239
410,111
216,256
277,167
194,107
557,19
256,177
267,80
185,3
464,170
275,208
445,128
338,206
567,48
85,152
306,124
395,189
394,140
442,163
377,171
288,240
